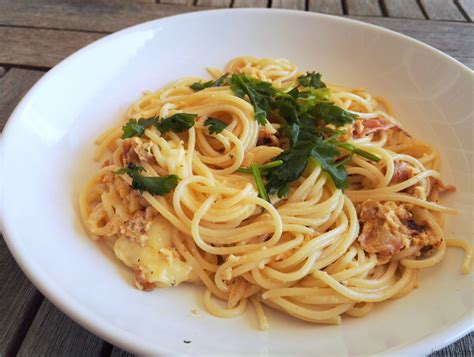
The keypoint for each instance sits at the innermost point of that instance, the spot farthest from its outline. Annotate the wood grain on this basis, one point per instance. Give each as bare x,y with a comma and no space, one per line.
96,17
289,4
214,3
19,298
13,86
117,352
442,10
250,3
54,334
468,7
445,36
326,6
462,347
407,9
364,8
40,48
177,2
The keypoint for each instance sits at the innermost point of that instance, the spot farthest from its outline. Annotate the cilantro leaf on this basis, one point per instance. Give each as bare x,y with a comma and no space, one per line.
155,185
177,123
259,92
326,153
311,79
197,86
332,114
137,127
294,163
215,125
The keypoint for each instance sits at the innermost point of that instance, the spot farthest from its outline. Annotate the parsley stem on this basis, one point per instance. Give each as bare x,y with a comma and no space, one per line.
259,182
270,165
358,151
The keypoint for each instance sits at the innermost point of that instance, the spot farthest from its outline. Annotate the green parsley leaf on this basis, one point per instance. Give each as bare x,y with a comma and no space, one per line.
311,79
137,127
326,153
260,94
177,123
215,125
332,114
294,163
197,86
155,185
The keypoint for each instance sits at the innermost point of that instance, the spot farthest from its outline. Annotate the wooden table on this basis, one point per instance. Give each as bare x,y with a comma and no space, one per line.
35,36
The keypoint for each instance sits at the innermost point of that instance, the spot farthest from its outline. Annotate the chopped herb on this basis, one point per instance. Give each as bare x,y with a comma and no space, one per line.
177,123
186,341
215,125
259,182
262,168
155,185
137,127
197,86
259,92
311,79
332,114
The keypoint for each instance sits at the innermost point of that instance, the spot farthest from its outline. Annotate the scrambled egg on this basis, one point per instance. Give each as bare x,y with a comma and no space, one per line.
155,261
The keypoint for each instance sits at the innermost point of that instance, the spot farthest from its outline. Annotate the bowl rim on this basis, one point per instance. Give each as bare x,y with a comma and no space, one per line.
122,338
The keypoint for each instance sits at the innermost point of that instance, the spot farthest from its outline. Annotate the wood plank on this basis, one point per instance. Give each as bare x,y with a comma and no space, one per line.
442,35
364,8
468,8
289,4
462,347
40,48
326,6
54,334
13,87
405,9
97,17
442,10
19,299
117,352
214,3
177,2
250,3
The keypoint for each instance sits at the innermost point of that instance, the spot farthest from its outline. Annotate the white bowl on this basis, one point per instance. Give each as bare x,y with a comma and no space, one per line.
46,150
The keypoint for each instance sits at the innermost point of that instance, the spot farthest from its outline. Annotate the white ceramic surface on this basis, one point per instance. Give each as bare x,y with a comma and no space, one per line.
46,156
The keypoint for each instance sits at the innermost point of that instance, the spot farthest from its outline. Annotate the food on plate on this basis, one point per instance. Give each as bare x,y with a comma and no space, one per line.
269,185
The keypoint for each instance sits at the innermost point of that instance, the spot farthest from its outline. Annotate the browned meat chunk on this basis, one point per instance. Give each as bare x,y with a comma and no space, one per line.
389,227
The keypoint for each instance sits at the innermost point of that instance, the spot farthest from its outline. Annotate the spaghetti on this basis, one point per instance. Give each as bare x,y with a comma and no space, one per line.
179,196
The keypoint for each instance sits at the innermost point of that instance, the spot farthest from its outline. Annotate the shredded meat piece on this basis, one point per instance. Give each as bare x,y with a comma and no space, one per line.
389,227
141,282
108,177
402,172
105,163
136,227
442,186
367,126
143,150
265,138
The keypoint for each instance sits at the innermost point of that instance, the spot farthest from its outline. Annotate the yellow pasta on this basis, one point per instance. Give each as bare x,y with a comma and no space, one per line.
316,253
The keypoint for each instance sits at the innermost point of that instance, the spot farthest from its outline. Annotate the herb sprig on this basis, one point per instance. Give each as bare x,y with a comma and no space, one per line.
177,123
305,112
155,185
215,126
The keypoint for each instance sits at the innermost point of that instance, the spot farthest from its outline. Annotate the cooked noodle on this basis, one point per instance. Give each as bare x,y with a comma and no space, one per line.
311,254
